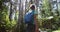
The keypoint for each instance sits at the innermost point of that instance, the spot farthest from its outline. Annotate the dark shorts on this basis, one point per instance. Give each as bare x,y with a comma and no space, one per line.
30,28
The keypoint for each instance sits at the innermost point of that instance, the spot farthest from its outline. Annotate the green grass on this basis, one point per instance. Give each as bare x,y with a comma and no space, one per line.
56,31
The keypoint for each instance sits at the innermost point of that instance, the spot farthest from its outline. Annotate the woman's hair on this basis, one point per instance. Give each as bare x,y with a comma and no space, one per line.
32,7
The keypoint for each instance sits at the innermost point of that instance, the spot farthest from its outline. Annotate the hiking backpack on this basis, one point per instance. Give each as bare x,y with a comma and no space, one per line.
29,17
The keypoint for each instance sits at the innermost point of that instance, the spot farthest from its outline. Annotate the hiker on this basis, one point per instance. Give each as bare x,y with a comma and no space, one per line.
29,19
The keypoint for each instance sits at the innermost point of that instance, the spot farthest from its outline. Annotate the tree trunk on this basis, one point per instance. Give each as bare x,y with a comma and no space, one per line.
20,19
10,16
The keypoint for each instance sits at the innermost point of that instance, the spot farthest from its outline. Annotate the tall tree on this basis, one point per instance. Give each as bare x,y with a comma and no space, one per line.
11,11
20,19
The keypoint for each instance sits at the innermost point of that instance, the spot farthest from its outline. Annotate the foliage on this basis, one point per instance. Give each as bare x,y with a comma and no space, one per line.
46,8
4,18
5,23
44,22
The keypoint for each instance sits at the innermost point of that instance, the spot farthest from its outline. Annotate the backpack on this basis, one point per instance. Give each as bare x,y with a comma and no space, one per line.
29,17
